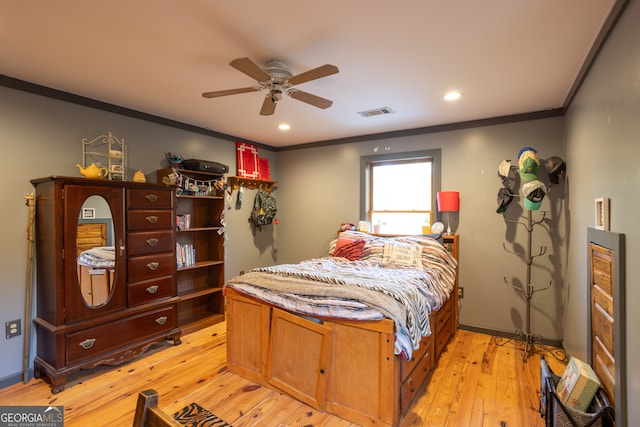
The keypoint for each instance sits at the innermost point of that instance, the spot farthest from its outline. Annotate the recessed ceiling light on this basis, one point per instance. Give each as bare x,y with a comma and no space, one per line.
284,126
452,96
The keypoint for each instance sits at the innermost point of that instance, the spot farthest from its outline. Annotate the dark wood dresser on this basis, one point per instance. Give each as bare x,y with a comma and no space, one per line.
111,306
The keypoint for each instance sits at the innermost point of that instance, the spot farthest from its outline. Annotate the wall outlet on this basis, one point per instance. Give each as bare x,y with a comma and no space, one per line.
13,328
460,293
241,272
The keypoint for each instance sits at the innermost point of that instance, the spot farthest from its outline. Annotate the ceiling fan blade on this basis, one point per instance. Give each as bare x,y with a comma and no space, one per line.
316,73
250,68
314,100
268,106
218,93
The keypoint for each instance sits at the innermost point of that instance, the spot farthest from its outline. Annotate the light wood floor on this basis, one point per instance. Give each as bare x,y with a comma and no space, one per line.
476,383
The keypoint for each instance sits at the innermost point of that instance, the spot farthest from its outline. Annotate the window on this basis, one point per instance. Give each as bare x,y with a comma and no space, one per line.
398,191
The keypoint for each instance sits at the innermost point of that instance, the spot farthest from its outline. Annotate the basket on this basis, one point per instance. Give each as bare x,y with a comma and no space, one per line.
599,414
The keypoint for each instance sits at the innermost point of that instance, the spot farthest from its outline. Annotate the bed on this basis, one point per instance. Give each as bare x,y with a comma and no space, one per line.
355,333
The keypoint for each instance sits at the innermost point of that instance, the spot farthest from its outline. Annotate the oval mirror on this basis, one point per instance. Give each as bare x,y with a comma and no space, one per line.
95,251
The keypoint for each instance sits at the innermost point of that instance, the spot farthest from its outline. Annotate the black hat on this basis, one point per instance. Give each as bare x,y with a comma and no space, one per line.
504,198
555,166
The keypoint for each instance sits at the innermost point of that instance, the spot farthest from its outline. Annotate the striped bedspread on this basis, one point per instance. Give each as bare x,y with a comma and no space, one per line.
334,287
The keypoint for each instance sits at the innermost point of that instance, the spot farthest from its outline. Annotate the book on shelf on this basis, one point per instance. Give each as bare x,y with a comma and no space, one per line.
183,222
185,255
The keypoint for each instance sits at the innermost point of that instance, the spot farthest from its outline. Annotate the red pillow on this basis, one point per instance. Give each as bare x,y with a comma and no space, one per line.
350,249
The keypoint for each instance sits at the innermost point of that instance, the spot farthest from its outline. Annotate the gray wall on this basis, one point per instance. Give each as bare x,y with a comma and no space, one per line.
41,136
603,148
320,190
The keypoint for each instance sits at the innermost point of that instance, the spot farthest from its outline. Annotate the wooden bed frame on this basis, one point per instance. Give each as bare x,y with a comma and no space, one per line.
347,368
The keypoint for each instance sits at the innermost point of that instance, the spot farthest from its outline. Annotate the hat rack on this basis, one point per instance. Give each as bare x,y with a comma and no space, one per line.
531,342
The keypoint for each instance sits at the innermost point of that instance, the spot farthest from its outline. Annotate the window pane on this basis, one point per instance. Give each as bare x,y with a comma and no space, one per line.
400,223
401,186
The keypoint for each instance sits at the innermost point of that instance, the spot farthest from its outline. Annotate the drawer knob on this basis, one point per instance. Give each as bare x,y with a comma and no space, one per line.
152,289
152,219
151,197
161,320
153,265
152,242
88,343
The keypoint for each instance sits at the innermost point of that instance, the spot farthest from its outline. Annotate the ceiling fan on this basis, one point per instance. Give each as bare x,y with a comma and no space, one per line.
278,80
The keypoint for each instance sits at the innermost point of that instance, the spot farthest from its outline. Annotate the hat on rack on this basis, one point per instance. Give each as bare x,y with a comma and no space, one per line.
555,166
523,149
504,199
528,164
533,192
504,172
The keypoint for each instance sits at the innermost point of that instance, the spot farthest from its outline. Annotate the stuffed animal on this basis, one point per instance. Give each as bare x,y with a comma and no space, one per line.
175,160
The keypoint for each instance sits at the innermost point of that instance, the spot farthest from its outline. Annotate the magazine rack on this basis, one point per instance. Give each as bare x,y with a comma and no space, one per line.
600,412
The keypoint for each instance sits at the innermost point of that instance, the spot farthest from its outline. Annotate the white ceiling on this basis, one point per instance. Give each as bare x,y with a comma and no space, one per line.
158,56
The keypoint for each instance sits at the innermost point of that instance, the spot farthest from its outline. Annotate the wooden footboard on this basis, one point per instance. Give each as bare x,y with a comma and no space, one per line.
342,367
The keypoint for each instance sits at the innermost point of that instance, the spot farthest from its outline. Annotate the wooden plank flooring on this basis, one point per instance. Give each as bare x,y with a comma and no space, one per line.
476,383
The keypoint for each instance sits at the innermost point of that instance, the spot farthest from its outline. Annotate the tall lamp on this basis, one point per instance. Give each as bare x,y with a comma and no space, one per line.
448,201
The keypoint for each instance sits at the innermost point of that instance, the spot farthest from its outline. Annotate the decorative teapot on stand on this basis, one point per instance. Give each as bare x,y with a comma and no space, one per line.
93,171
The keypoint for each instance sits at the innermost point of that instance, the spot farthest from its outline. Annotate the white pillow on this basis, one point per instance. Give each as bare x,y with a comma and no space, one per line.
400,254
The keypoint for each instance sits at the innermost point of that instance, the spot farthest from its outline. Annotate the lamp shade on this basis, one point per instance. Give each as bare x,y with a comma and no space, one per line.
448,201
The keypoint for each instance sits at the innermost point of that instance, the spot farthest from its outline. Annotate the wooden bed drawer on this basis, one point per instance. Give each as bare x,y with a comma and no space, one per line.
443,316
150,290
94,341
407,366
151,266
412,384
442,338
149,198
150,220
149,242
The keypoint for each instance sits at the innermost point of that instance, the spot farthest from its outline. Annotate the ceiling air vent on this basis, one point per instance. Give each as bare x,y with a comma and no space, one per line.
376,112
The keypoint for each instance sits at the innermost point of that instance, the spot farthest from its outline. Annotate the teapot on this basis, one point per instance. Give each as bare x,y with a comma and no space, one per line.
93,171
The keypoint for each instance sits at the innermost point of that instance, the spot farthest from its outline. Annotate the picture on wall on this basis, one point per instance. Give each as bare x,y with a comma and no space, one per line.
247,160
263,169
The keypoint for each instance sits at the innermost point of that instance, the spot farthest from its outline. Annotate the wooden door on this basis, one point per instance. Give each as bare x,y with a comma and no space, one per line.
602,317
299,356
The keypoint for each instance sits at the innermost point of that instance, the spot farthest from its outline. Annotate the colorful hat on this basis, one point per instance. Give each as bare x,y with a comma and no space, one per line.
533,192
504,199
528,164
504,172
555,166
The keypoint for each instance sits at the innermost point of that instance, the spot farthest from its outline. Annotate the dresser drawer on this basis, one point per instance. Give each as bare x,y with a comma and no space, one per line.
152,198
150,220
150,290
150,266
150,242
94,341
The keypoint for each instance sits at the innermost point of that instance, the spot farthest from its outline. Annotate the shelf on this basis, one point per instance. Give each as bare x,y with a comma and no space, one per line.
191,196
193,229
201,264
251,183
200,293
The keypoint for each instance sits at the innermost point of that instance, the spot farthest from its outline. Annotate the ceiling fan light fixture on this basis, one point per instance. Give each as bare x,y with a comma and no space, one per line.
276,95
284,127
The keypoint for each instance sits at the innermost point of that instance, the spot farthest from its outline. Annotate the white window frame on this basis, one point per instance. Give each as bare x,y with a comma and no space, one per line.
365,178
